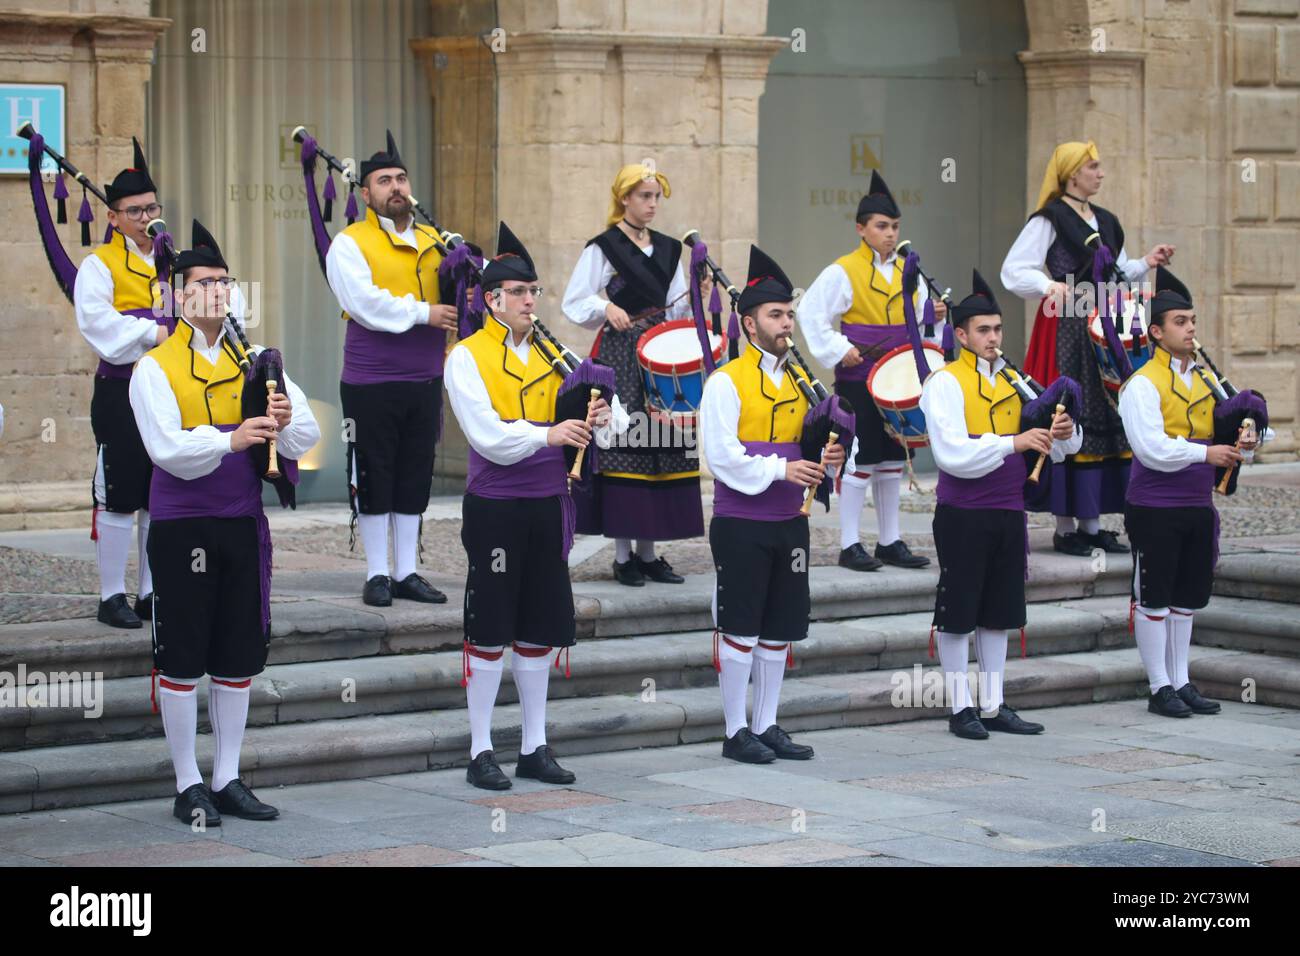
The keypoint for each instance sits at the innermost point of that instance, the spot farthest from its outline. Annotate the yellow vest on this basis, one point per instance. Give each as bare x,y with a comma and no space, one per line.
1187,414
206,394
767,413
395,266
517,391
988,409
135,282
875,302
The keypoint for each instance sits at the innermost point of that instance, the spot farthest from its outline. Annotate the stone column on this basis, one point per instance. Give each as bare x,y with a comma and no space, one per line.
103,61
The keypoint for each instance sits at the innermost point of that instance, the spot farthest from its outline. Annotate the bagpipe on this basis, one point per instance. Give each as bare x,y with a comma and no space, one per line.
459,269
1239,417
1119,354
928,314
1040,406
65,270
701,262
585,382
263,374
829,421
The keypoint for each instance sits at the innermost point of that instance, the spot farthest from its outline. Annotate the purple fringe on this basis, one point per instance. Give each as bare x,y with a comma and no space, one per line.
830,414
1248,405
60,195
459,266
1102,260
1064,391
947,338
715,301
568,522
698,254
65,271
329,195
928,318
733,326
264,568
320,235
911,268
352,213
162,264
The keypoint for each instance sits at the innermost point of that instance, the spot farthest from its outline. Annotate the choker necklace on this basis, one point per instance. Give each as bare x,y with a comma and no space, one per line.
639,230
1076,199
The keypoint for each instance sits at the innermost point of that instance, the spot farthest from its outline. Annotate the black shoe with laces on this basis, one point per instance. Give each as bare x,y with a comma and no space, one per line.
378,591
236,800
1166,703
629,573
541,765
855,558
115,612
484,773
1108,541
779,742
746,748
1190,696
1008,721
1073,543
415,588
659,570
195,805
900,555
966,723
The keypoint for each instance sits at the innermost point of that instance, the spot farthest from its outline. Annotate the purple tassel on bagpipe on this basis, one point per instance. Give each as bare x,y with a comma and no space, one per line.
1064,391
699,252
329,195
928,318
459,267
831,414
267,364
320,235
571,401
733,334
351,212
911,270
61,199
1245,404
64,269
162,262
715,309
85,217
1102,260
108,233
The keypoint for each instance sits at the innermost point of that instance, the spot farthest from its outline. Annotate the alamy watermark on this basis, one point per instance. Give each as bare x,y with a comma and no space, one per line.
71,690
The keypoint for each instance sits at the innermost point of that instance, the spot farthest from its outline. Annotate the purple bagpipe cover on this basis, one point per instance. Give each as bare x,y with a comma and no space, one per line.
831,414
268,364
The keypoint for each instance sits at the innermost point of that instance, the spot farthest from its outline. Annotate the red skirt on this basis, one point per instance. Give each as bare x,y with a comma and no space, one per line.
1040,358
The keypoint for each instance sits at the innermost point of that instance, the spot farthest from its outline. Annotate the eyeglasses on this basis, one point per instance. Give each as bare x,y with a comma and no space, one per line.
534,290
226,282
136,213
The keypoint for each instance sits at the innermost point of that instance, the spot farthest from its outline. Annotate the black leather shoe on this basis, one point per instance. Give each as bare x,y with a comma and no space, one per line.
900,555
144,607
1108,541
747,748
484,773
115,612
415,588
779,742
1009,722
1166,703
378,591
541,765
1073,543
966,723
855,558
628,573
1190,696
237,800
195,804
659,570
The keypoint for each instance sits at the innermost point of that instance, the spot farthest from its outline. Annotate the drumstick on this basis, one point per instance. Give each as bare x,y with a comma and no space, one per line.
1043,456
812,491
272,466
576,472
1247,424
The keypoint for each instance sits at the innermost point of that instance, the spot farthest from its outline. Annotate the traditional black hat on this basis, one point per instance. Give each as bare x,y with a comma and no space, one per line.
133,180
385,159
512,261
1170,293
766,283
878,200
203,251
979,302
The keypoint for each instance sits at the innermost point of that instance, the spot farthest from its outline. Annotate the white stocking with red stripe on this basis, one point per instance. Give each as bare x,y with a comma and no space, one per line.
768,671
481,696
228,714
180,716
1152,634
734,664
532,674
1179,648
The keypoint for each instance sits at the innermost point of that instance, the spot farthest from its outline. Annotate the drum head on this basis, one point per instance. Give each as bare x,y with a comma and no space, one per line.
1131,305
894,381
674,347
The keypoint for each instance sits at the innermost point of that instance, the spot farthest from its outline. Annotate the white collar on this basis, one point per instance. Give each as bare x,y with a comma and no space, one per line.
989,369
199,341
510,334
770,364
131,246
389,226
887,261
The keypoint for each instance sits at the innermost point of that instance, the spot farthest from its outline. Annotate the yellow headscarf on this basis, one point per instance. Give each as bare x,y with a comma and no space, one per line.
1065,162
627,179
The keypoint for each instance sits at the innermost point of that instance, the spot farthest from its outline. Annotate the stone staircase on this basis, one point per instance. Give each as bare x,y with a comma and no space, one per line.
353,691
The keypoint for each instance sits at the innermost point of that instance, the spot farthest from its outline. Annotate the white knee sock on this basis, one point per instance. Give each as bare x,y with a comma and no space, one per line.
622,550
532,674
374,541
406,545
954,654
180,717
853,496
645,550
1152,634
733,677
228,714
481,696
885,490
991,653
112,549
141,542
767,671
1179,650
1089,525
1064,524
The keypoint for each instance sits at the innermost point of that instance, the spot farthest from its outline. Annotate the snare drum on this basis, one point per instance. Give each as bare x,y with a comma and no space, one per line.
896,390
1110,377
672,370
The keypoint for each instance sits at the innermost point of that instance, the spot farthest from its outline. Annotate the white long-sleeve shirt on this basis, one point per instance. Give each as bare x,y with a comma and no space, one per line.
197,452
831,295
501,442
116,338
584,301
1022,269
719,418
955,452
354,286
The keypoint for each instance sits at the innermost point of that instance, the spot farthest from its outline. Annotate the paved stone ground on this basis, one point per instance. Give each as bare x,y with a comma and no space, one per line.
51,575
1108,785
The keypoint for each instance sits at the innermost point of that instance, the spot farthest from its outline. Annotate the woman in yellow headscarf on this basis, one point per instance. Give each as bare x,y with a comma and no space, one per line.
628,279
1051,261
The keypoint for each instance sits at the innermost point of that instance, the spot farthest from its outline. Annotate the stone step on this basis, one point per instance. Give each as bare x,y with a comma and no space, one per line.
321,617
1267,576
400,743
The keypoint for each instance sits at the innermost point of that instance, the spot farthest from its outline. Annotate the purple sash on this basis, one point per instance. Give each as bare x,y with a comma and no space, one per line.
541,475
1003,489
106,370
1190,487
371,357
780,501
873,341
